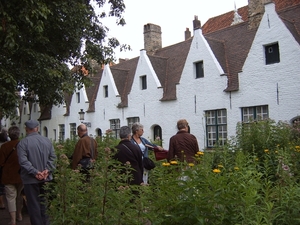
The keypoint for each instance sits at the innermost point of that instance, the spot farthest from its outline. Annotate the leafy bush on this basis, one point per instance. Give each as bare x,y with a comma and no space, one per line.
252,180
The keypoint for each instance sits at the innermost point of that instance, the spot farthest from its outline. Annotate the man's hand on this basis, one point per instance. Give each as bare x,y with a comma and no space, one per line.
39,176
42,175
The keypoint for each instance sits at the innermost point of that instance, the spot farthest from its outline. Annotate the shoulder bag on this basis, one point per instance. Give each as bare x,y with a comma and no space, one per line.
147,162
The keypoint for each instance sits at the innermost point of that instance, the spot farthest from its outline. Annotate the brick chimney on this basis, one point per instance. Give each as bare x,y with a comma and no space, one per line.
187,34
196,23
152,37
256,10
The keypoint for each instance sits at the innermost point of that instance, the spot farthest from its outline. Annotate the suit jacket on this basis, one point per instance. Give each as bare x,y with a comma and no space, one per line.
134,156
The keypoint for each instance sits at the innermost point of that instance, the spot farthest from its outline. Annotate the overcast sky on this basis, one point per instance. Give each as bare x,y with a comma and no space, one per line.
173,16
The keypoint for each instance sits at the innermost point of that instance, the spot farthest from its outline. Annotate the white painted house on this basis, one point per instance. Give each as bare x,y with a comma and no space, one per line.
239,66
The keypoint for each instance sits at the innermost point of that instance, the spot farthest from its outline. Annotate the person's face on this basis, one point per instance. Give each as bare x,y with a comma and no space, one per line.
80,133
140,132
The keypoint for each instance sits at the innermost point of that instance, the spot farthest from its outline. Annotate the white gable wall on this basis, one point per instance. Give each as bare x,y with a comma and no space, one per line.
275,85
105,107
145,104
195,96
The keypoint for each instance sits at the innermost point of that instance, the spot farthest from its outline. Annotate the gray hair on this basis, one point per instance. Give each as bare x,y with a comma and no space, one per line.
136,127
124,132
14,132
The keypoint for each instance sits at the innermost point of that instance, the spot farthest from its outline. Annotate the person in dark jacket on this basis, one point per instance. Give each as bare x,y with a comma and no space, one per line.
130,153
183,145
11,177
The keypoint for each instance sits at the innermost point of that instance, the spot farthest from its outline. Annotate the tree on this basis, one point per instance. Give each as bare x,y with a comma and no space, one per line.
40,39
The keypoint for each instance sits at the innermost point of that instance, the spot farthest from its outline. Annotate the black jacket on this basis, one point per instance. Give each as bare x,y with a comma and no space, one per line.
132,155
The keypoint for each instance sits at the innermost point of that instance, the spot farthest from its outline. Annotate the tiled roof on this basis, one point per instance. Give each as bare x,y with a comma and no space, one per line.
231,47
169,70
284,4
224,20
45,113
291,18
91,91
123,74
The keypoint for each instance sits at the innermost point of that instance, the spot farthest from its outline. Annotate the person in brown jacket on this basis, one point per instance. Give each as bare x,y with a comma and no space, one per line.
183,145
83,147
11,177
3,139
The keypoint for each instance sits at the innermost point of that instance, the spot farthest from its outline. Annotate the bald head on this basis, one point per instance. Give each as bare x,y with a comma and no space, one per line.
81,130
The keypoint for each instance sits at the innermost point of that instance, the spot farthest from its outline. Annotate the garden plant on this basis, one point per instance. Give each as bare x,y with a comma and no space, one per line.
252,180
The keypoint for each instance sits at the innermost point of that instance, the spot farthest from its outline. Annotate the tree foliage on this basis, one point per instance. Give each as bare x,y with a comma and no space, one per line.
41,39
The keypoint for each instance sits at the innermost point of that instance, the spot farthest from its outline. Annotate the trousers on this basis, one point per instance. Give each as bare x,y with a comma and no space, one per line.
36,204
14,197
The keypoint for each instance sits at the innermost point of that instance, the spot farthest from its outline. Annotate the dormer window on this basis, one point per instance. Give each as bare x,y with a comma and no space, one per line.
272,54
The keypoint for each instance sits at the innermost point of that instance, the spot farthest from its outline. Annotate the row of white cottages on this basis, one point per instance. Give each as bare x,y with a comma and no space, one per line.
239,66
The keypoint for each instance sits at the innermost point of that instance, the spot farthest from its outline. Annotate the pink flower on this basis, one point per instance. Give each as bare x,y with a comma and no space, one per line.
285,167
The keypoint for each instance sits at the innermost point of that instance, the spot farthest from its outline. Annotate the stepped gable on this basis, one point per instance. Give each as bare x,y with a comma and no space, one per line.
123,74
170,66
225,44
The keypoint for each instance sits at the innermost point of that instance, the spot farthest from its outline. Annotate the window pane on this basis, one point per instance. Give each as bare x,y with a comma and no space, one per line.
73,130
210,117
248,114
61,132
211,136
262,112
132,120
222,116
222,134
115,127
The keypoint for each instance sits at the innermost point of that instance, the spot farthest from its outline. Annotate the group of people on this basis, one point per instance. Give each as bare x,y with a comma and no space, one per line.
27,165
30,162
133,148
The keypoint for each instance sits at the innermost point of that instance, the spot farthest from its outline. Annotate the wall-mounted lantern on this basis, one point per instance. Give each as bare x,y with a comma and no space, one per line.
81,115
